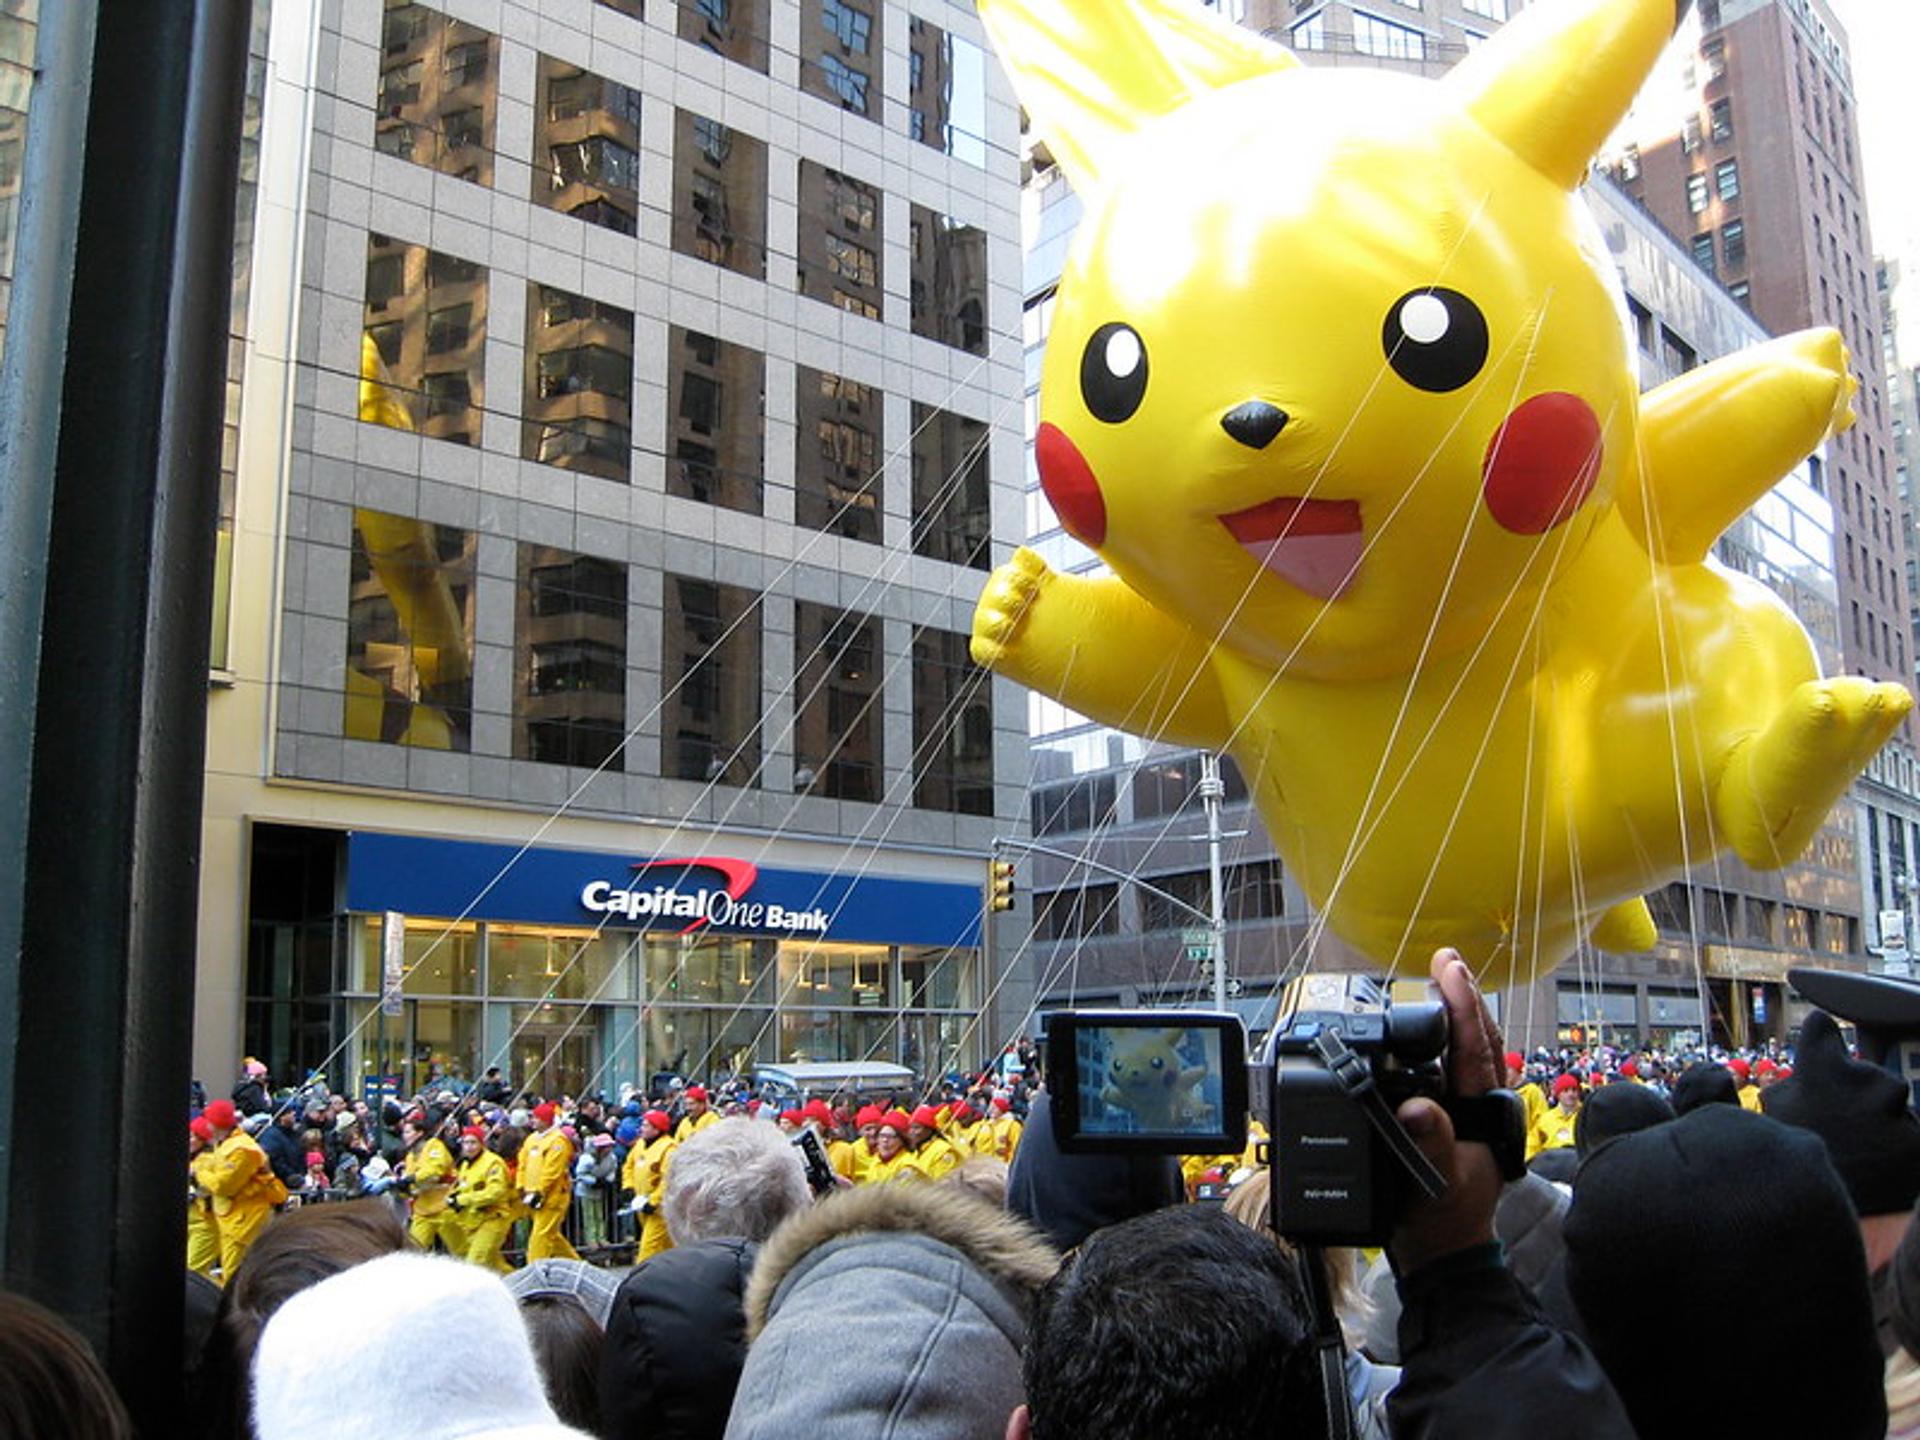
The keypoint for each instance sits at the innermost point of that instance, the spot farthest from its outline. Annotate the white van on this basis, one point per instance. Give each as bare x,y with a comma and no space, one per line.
789,1086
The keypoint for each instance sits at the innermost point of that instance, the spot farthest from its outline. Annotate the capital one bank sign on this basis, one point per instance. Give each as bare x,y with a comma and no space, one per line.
667,891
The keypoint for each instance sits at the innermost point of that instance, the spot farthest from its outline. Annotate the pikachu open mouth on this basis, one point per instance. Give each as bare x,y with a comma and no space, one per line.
1313,545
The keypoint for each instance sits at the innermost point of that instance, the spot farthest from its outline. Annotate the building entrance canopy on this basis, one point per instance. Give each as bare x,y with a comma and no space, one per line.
680,893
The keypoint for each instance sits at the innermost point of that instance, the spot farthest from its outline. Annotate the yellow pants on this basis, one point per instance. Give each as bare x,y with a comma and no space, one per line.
485,1240
203,1240
446,1225
653,1238
239,1228
546,1242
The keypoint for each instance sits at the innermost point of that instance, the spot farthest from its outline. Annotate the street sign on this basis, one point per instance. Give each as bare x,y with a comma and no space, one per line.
1198,943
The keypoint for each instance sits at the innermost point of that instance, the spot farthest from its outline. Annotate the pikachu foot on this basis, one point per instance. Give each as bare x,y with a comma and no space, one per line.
1779,785
1627,929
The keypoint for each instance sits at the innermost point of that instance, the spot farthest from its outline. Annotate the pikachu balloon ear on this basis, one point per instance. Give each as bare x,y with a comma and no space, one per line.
1553,83
1091,73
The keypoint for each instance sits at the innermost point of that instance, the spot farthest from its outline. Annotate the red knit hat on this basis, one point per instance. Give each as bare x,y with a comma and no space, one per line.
659,1120
1515,1060
1741,1070
474,1132
1566,1083
895,1120
221,1115
1002,1104
545,1111
963,1115
869,1115
792,1117
200,1126
926,1115
1766,1067
1630,1070
696,1092
817,1110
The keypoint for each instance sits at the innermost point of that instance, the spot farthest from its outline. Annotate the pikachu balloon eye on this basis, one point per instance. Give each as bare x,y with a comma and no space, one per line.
1113,372
1435,339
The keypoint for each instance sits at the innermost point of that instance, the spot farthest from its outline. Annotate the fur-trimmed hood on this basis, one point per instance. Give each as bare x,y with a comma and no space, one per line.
896,1312
1008,1250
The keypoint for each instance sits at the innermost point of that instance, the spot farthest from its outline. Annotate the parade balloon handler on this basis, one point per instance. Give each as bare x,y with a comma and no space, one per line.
1338,387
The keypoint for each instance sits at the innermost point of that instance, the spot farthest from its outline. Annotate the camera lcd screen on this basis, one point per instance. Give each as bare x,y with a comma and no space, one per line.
1169,1081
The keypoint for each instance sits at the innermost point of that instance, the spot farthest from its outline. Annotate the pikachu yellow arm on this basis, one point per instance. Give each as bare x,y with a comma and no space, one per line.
1096,646
1716,439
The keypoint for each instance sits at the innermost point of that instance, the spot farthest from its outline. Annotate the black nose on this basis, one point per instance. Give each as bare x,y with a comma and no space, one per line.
1254,423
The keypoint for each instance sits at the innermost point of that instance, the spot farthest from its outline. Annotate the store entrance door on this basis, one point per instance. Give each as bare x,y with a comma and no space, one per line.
550,1059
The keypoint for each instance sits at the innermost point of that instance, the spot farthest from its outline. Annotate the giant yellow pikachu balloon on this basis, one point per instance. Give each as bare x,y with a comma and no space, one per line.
1338,386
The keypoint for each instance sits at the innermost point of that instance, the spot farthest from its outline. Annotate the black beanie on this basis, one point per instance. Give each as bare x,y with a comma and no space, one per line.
1860,1110
1617,1110
1732,1206
1704,1084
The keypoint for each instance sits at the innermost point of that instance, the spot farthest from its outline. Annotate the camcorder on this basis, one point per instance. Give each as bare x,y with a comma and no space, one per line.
1337,1065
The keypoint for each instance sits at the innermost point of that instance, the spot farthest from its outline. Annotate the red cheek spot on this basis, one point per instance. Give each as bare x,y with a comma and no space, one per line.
1542,463
1070,486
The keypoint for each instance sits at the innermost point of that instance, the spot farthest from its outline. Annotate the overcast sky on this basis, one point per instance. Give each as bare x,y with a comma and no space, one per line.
1884,38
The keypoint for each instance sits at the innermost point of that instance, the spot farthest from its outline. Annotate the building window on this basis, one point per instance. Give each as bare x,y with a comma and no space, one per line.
952,499
710,678
570,659
736,29
1310,33
1720,117
437,98
719,194
837,727
1733,244
1077,914
1714,52
577,402
1726,179
952,726
587,139
847,44
949,280
837,480
1690,134
1703,251
1387,40
409,678
1696,192
1679,356
1491,9
947,78
840,240
716,421
1076,808
1630,164
426,319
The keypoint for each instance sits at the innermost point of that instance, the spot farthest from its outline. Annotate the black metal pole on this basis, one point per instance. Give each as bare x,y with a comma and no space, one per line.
96,1222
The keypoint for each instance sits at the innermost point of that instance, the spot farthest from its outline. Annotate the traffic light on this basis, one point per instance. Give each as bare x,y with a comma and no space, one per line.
1000,885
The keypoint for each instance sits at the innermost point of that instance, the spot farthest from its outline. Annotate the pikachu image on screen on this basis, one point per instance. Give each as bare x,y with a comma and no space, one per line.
1339,387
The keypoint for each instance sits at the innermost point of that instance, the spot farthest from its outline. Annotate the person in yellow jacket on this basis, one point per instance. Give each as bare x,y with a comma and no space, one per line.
1006,1129
482,1202
244,1188
1530,1093
1554,1129
428,1174
963,1130
1743,1077
546,1185
203,1231
892,1160
645,1174
866,1123
932,1155
700,1114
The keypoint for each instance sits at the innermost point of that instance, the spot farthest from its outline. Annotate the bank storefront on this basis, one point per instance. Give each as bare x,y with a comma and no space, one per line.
580,970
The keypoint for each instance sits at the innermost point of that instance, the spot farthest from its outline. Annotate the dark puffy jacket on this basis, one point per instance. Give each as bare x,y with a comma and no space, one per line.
675,1343
1068,1197
284,1154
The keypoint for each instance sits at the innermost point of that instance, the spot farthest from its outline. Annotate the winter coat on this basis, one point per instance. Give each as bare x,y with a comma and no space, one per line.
250,1098
675,1343
895,1312
289,1161
1481,1361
